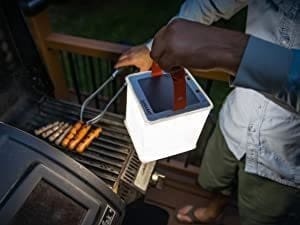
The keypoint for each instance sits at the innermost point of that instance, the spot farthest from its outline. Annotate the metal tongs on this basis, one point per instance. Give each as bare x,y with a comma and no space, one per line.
87,101
178,77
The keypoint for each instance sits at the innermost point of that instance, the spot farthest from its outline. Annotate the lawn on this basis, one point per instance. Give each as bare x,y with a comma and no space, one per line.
131,22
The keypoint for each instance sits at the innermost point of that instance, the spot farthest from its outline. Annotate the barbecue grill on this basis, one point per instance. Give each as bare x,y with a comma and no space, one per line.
109,165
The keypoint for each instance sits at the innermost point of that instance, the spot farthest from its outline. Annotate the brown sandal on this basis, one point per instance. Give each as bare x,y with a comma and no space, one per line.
191,215
194,220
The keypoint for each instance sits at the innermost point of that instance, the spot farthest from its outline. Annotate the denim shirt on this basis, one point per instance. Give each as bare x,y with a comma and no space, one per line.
254,124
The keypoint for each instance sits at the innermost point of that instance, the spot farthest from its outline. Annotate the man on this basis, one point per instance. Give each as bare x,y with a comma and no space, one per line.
256,143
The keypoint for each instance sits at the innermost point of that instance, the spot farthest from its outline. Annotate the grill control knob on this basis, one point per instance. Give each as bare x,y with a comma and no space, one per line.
157,180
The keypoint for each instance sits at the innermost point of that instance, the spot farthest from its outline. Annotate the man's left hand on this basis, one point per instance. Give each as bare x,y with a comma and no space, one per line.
188,44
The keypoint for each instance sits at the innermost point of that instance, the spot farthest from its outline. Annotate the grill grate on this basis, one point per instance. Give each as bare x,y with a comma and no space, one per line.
108,156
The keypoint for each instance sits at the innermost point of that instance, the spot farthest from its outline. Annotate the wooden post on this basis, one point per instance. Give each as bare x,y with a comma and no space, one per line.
41,29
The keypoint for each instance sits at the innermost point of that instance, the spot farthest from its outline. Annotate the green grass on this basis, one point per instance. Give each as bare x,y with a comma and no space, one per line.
131,22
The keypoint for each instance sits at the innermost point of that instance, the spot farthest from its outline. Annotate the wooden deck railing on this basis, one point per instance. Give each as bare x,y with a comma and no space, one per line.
51,44
73,63
85,46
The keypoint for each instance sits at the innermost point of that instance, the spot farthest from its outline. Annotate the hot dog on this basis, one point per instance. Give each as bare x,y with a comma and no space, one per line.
79,136
88,140
45,128
76,127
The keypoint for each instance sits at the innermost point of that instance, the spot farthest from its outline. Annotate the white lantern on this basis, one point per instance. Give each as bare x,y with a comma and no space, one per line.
156,130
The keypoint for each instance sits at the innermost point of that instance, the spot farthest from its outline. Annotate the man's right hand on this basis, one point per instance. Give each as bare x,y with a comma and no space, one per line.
138,56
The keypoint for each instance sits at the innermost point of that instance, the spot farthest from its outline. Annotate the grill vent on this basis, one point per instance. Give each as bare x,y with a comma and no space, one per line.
126,193
131,170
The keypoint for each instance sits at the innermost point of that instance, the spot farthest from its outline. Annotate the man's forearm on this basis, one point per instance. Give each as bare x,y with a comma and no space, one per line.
258,64
192,45
228,50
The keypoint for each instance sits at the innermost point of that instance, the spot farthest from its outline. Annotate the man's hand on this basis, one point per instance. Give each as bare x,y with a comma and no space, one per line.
138,56
183,43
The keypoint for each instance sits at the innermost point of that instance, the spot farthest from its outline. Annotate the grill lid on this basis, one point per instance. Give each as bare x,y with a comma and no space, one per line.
41,185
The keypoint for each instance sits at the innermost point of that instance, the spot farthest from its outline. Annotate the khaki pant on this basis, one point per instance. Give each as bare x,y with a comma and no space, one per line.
260,200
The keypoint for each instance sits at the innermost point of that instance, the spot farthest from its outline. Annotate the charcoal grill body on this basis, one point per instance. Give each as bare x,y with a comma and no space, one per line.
31,165
41,185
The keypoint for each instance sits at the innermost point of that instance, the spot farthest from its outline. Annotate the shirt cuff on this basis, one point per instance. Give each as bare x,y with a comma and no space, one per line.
264,66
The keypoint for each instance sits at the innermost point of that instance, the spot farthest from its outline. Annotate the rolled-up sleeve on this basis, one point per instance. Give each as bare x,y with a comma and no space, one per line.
271,69
210,11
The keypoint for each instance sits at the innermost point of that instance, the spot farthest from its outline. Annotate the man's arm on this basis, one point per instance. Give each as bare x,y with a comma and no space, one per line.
202,11
189,44
255,63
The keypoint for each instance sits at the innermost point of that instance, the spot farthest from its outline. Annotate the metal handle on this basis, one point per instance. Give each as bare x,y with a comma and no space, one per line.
179,84
87,101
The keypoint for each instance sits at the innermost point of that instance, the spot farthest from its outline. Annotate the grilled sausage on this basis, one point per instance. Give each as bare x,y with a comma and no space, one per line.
58,132
79,136
88,140
45,128
72,133
52,130
61,138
